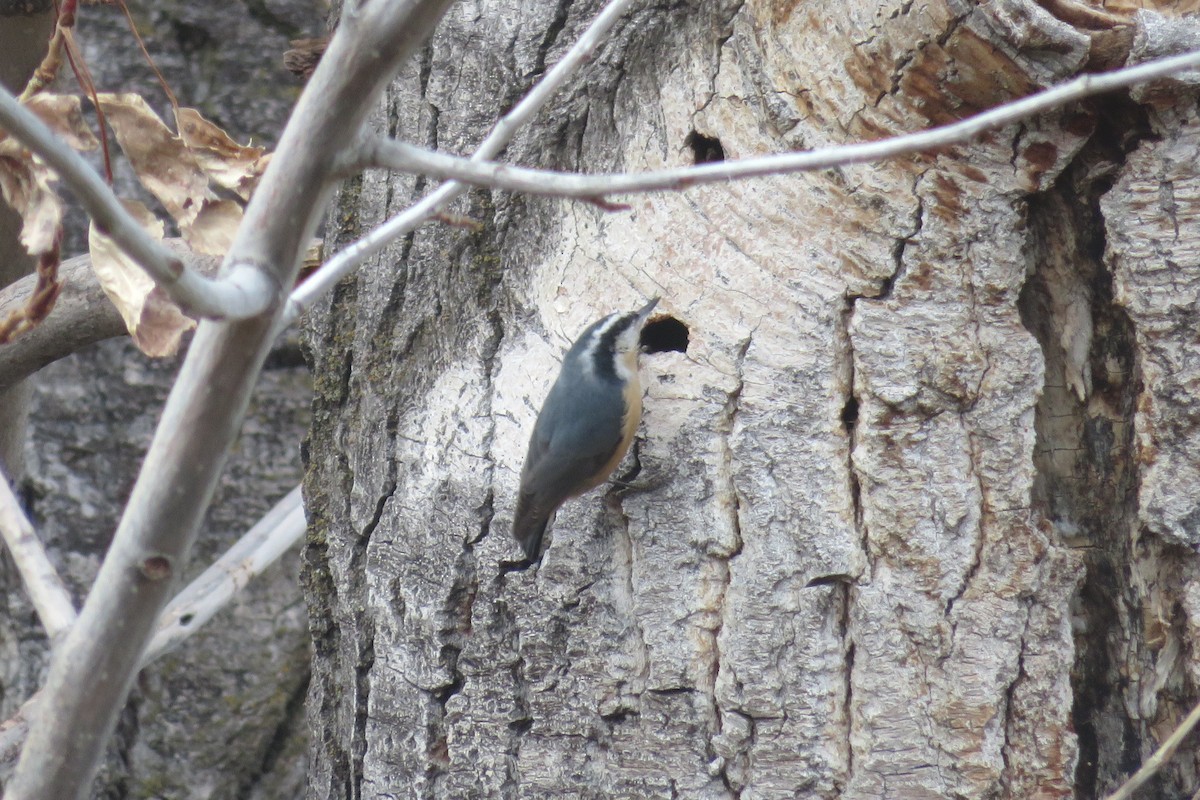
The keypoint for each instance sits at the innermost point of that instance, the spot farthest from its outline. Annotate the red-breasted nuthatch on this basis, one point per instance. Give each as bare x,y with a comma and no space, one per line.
586,424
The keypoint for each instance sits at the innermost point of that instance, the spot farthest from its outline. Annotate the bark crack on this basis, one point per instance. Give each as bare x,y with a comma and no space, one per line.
1086,481
726,33
626,596
458,609
974,455
362,692
456,613
561,12
977,555
1010,692
522,714
850,410
848,699
725,429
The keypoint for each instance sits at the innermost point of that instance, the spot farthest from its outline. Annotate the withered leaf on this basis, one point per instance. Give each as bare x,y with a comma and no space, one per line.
25,185
25,181
162,160
63,114
211,233
155,323
228,164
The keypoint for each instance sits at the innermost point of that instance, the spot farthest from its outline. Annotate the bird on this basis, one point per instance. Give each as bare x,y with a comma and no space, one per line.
586,424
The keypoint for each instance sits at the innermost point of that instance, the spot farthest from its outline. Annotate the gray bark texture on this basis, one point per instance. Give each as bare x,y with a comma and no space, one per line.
222,717
916,512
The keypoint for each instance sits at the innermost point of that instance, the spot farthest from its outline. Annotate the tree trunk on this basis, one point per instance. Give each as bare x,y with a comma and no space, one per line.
914,514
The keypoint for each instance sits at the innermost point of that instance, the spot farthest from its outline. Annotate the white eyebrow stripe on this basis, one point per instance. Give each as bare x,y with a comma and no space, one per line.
608,324
589,350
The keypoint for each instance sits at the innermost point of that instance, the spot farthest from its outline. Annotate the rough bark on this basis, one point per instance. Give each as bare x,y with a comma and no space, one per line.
222,717
911,522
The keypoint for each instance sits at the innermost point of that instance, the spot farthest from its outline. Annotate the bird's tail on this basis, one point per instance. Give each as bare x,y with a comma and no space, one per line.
529,525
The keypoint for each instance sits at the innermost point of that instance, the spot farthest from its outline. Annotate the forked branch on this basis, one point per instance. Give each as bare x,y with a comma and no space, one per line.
243,292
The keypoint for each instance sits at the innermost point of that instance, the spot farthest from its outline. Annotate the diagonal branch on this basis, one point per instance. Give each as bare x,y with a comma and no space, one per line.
479,171
46,590
243,292
272,536
279,530
355,254
389,154
92,671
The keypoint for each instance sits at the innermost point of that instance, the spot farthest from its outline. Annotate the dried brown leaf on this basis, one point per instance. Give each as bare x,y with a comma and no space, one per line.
155,323
211,233
25,185
162,160
63,114
228,164
25,181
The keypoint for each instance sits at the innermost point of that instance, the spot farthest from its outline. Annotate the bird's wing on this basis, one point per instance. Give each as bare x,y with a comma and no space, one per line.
564,457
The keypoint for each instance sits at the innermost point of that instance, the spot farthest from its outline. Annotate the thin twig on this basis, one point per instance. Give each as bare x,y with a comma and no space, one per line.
280,529
162,81
46,590
593,188
244,292
276,533
350,258
1161,756
83,76
47,71
389,154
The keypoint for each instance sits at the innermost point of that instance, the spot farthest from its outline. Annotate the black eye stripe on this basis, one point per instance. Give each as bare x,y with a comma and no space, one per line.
606,345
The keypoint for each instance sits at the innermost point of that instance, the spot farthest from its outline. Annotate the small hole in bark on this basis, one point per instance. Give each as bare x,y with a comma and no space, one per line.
830,580
664,334
850,413
705,149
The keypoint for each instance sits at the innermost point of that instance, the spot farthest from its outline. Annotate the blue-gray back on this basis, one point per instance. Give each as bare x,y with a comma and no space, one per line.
574,435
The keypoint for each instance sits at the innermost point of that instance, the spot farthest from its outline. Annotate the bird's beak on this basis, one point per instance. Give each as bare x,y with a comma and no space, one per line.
644,312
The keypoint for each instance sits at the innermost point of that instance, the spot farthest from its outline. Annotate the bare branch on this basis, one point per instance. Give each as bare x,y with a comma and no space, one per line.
1161,756
349,259
82,315
273,535
46,590
94,667
280,528
481,172
243,292
15,729
395,155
